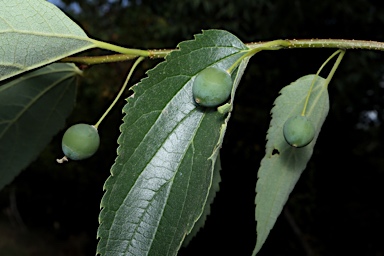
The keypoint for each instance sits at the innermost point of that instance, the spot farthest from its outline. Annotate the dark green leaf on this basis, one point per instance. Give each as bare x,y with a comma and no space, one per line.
33,108
168,148
207,208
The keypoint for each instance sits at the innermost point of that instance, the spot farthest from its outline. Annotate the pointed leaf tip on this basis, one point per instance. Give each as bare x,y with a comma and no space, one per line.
283,164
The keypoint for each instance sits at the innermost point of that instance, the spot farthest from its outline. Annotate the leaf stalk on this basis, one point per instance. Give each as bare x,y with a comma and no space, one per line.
120,92
329,77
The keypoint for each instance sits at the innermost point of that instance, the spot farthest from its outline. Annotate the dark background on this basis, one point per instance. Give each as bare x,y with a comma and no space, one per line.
335,209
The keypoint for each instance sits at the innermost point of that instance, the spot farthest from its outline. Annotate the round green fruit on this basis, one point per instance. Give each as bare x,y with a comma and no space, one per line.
80,141
212,87
298,131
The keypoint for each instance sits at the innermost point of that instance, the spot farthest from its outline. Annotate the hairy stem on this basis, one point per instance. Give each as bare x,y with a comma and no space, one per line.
329,43
91,60
129,54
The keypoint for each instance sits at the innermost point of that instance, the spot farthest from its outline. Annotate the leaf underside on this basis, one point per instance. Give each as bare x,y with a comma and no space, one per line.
33,108
167,152
35,33
282,164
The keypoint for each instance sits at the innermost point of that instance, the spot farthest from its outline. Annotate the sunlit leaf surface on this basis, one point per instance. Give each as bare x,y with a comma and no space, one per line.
34,33
168,148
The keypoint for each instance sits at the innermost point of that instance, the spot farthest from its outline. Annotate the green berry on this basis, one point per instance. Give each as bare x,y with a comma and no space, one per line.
212,87
298,131
80,141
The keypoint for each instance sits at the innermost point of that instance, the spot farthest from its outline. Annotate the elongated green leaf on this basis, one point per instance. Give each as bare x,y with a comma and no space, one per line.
216,173
168,148
34,33
33,108
215,187
282,164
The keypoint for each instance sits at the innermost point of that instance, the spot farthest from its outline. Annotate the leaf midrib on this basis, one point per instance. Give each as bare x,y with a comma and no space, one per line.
167,183
61,35
32,102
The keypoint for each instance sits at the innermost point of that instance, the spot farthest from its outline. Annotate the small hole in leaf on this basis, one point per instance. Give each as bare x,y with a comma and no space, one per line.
275,152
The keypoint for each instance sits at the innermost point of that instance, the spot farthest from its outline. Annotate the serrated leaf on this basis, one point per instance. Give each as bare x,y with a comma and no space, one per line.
33,108
282,164
168,148
216,173
34,33
215,187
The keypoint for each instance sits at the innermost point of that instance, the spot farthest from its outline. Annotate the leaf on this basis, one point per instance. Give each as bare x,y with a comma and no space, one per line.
216,173
282,164
35,33
33,108
168,148
215,187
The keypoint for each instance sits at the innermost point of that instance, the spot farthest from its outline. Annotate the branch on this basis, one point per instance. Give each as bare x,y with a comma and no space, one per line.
328,43
92,60
129,54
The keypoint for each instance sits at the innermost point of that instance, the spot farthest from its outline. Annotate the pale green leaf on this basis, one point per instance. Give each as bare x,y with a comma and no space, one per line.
282,164
34,33
33,108
168,148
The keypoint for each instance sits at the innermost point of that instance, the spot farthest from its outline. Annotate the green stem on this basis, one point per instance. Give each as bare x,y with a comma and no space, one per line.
128,54
272,45
329,77
330,43
120,92
119,49
156,54
91,60
335,66
256,47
